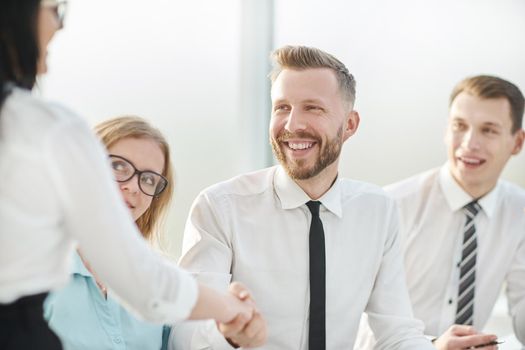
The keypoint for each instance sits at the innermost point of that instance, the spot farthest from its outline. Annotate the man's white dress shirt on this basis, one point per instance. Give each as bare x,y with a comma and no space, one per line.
254,229
56,190
431,230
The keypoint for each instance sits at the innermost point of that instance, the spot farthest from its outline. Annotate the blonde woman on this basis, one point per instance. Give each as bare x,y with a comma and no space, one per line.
83,314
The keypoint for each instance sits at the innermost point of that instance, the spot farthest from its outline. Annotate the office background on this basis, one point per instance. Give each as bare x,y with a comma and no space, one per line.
197,70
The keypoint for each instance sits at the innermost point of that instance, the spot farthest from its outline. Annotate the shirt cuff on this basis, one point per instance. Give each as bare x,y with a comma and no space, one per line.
187,295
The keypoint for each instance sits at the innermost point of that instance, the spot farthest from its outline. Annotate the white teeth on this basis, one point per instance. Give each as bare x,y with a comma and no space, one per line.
300,145
471,160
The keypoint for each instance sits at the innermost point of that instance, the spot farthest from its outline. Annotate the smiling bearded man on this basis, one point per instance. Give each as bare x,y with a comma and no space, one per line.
316,250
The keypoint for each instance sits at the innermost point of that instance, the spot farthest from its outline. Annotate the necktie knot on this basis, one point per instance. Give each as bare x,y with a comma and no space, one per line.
472,209
314,207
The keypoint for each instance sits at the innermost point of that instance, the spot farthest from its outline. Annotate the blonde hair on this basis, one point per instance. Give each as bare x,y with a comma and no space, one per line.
113,130
303,57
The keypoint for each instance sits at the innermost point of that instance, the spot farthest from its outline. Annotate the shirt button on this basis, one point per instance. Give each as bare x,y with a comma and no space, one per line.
117,340
450,301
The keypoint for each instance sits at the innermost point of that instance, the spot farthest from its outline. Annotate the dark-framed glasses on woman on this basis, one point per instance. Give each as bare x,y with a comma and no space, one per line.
150,183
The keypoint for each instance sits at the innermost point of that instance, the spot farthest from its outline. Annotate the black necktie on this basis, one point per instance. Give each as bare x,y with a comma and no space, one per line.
317,331
467,273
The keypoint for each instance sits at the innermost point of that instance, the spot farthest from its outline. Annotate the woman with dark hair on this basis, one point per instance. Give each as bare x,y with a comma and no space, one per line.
57,191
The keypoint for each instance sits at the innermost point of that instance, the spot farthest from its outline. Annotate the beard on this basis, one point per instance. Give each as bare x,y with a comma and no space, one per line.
297,169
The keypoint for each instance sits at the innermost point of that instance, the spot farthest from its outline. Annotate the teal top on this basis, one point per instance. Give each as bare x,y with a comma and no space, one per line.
83,319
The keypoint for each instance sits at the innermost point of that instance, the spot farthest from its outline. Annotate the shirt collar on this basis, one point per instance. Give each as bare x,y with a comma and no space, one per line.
79,268
457,198
292,196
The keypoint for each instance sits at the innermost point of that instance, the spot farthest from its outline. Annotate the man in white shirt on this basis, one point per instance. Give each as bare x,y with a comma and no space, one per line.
263,228
445,273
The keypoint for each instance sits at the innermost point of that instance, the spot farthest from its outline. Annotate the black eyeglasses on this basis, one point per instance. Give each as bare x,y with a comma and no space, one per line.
59,7
150,183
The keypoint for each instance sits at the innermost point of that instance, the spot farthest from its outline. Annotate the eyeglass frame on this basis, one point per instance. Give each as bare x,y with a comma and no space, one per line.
60,7
140,172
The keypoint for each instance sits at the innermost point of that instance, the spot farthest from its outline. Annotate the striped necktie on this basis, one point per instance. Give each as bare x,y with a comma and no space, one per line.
467,274
317,329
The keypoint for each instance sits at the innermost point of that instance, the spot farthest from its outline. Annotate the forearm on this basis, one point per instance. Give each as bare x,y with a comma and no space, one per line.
212,304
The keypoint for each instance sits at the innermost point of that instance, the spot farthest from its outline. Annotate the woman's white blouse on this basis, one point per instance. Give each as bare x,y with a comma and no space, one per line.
57,190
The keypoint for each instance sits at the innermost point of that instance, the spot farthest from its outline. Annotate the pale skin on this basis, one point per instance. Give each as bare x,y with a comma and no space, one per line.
243,332
48,25
479,141
144,154
226,308
459,337
306,101
310,101
210,304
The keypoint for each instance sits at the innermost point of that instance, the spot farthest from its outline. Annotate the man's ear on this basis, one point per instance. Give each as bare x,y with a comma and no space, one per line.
518,142
352,123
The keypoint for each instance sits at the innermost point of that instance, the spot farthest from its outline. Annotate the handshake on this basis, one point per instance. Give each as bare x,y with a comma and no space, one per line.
236,314
247,328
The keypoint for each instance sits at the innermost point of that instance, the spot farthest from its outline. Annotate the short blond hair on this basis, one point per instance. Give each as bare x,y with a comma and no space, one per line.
303,57
113,130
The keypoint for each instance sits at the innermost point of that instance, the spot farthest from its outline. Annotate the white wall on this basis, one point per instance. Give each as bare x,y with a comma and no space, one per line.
175,63
406,56
196,69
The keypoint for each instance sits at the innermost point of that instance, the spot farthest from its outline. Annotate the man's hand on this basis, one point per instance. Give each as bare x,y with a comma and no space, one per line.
459,337
240,331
